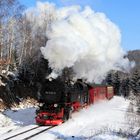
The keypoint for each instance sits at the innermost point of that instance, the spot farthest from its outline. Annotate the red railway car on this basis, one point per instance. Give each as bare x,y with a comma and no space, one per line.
100,93
69,100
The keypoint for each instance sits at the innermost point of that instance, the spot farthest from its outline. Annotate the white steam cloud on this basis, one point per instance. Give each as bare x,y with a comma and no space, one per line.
85,40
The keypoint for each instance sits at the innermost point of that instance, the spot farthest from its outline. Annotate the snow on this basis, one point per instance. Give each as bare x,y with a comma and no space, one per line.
98,122
14,119
22,117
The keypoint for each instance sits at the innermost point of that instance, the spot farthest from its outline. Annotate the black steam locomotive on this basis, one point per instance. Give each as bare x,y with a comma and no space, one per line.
59,99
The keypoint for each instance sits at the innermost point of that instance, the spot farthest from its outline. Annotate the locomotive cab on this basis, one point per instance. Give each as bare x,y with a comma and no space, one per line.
78,95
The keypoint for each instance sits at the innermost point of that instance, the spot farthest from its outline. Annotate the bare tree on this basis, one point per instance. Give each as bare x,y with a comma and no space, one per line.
10,14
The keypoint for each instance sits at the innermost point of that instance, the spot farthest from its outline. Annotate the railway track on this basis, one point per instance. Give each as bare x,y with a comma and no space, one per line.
29,136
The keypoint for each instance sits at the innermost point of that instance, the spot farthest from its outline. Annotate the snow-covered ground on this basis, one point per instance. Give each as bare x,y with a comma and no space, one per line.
106,120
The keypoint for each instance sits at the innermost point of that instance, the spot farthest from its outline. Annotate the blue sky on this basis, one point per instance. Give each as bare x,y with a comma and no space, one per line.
124,13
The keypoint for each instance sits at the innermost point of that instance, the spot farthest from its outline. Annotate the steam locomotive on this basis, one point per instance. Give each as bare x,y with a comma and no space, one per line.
58,100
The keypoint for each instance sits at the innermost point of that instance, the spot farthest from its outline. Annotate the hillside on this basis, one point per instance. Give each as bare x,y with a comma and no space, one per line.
135,56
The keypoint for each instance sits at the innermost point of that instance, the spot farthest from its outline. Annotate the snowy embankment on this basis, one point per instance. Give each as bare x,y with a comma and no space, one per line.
101,121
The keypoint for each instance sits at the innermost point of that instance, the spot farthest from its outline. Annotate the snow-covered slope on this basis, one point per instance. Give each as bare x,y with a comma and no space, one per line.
101,121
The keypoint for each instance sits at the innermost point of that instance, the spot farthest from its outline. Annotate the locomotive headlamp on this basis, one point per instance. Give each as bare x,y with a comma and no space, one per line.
55,105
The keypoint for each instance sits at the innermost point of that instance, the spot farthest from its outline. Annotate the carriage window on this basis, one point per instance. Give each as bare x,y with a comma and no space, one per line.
110,90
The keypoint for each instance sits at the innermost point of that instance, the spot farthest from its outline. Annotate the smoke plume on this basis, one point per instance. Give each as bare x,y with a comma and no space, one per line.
85,40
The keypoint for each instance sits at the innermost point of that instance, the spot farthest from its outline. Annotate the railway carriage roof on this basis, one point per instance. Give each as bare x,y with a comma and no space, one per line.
99,85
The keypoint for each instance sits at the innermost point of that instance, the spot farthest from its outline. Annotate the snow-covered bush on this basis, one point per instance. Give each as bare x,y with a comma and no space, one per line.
5,121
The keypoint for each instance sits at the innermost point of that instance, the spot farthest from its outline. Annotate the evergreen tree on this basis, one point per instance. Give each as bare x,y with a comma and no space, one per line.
109,80
125,87
135,83
116,83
